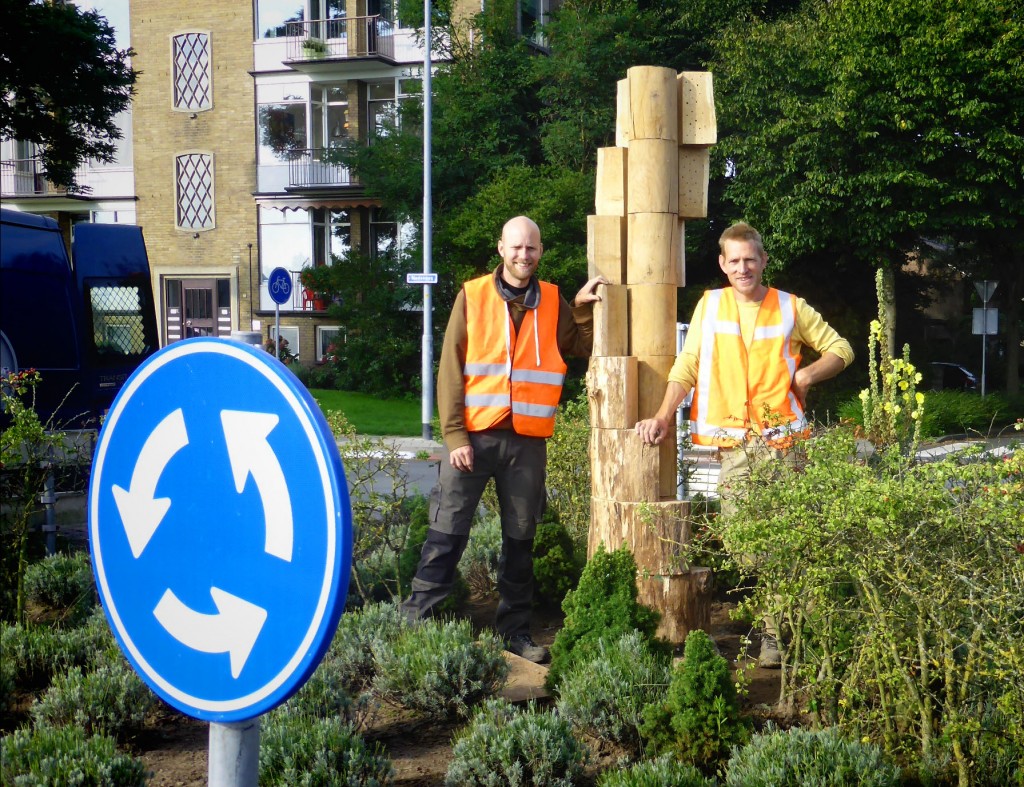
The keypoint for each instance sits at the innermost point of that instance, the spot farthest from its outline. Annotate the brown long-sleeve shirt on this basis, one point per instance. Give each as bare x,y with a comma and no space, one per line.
575,337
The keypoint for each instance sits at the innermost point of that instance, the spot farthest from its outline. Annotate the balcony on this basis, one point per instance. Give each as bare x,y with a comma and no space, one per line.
25,178
308,170
302,300
318,42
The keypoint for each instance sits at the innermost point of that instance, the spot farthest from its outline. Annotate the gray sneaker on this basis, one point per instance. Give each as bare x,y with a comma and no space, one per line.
523,645
770,658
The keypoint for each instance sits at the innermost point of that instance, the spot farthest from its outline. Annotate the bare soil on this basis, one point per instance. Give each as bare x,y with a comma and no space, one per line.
175,749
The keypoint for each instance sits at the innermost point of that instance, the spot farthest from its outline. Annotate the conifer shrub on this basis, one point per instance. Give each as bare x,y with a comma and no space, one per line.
605,696
809,758
47,756
110,700
299,750
418,510
439,668
63,584
603,606
699,721
555,569
504,746
665,771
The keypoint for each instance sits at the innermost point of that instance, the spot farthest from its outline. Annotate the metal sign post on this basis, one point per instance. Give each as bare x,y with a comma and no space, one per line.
280,286
985,290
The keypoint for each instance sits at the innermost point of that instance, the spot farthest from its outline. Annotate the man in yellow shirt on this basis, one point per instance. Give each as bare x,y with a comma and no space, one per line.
742,360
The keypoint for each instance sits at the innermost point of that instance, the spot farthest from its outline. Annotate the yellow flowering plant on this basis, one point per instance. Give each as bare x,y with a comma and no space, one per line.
892,405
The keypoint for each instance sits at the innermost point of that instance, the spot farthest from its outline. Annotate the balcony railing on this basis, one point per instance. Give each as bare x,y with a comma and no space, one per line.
302,300
348,37
24,177
307,169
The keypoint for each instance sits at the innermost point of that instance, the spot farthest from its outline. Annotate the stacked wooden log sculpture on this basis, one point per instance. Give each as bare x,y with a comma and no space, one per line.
654,179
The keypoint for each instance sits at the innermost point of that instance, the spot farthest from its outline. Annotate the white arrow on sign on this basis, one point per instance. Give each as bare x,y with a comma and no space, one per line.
141,512
249,453
234,628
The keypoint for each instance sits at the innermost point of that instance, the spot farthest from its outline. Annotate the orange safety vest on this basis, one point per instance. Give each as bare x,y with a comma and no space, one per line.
736,383
506,372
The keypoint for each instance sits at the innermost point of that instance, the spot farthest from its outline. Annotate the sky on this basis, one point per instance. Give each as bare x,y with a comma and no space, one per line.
116,13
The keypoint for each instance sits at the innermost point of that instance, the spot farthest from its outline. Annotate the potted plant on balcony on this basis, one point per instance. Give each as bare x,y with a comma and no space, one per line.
314,48
316,283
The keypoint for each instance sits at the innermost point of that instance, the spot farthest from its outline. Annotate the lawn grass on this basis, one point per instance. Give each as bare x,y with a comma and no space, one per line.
372,415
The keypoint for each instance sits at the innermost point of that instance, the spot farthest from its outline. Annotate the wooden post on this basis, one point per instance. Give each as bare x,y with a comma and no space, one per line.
647,186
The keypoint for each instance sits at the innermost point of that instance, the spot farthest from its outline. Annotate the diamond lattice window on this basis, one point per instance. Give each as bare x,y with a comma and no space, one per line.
191,55
193,177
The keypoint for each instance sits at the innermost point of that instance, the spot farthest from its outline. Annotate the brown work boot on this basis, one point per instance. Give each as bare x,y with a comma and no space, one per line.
523,645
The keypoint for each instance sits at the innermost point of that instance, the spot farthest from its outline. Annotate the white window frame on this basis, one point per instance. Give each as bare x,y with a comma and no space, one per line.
291,335
177,193
321,346
173,40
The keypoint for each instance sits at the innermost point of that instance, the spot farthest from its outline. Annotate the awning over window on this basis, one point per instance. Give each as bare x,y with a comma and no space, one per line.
295,203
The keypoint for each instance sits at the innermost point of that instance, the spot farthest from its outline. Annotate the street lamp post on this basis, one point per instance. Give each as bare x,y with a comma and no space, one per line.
427,368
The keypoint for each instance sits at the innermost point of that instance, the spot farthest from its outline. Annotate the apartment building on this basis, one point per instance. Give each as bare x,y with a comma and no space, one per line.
227,163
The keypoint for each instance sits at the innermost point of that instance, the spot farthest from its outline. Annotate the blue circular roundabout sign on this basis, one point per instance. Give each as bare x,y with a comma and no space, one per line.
220,528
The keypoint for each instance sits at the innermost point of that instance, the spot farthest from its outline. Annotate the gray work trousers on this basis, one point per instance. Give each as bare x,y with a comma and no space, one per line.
517,465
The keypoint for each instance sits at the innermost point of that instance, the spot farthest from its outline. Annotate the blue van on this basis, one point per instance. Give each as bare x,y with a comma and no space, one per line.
85,323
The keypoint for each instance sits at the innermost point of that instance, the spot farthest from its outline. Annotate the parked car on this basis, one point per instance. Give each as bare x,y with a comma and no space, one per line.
952,377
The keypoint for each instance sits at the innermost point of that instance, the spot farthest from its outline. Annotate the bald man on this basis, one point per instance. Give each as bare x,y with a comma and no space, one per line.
498,386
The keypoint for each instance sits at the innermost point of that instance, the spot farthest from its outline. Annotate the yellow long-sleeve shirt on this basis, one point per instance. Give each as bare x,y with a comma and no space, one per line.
810,330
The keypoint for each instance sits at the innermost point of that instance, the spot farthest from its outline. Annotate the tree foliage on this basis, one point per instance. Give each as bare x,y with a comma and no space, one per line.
64,81
875,129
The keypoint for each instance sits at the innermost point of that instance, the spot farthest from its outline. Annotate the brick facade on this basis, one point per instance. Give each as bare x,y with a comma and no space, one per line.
226,130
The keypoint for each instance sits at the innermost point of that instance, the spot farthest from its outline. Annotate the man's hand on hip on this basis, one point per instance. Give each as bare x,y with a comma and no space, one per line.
461,458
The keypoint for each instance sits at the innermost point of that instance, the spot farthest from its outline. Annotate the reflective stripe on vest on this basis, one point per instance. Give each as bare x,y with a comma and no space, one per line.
509,374
735,384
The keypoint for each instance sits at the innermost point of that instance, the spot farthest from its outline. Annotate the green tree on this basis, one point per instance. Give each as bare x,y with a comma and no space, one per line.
63,81
869,129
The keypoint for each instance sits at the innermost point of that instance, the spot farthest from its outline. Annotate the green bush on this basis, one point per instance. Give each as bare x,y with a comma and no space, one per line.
806,758
603,606
568,470
297,750
8,683
663,772
507,747
45,757
699,721
34,653
874,644
438,668
340,686
360,634
110,700
952,412
479,563
555,569
605,697
418,511
63,584
381,511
